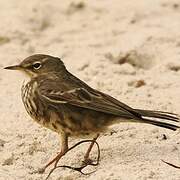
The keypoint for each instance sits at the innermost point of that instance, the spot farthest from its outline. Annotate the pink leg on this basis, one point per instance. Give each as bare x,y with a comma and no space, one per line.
64,149
86,156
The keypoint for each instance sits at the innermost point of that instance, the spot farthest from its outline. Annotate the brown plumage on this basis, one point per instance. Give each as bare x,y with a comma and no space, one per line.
63,103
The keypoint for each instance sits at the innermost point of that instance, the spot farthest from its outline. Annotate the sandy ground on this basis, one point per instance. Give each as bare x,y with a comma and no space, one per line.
128,49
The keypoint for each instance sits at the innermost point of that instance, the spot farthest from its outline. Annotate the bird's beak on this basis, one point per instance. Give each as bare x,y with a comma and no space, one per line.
16,67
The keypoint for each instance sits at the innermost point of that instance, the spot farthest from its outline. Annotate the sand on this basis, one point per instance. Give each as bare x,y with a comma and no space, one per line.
128,49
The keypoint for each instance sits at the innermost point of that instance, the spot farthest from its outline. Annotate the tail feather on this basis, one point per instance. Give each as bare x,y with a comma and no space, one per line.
159,114
161,124
150,116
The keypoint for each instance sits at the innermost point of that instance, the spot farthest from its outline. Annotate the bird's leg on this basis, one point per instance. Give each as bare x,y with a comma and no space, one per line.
87,160
64,150
79,169
57,158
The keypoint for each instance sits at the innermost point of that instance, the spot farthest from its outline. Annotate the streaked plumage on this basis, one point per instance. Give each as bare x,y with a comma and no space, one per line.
63,103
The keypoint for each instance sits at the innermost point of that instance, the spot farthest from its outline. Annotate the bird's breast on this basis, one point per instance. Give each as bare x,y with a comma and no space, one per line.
40,110
29,99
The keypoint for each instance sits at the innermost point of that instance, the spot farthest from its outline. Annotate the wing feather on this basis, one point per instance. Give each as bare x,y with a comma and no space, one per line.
91,100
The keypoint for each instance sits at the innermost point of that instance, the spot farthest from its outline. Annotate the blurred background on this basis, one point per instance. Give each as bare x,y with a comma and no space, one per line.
128,49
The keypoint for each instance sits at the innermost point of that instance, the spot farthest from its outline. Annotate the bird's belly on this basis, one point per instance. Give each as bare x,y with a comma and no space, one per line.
74,124
81,122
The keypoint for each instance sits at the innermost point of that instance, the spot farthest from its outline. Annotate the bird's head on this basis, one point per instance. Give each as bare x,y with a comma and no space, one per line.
39,64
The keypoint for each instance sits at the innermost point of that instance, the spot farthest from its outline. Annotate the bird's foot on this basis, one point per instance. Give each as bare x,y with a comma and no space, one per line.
87,161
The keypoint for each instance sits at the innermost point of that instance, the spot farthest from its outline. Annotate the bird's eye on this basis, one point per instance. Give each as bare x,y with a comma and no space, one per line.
36,65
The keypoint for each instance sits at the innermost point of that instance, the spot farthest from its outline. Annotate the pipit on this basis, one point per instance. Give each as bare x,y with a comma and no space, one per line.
58,100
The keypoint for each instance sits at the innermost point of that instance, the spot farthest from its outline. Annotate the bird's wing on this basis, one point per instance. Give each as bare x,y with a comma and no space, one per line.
90,99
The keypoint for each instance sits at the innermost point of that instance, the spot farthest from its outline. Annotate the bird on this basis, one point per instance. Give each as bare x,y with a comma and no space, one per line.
58,100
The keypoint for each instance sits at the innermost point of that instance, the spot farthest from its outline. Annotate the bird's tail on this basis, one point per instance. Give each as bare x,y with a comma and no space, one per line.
156,117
